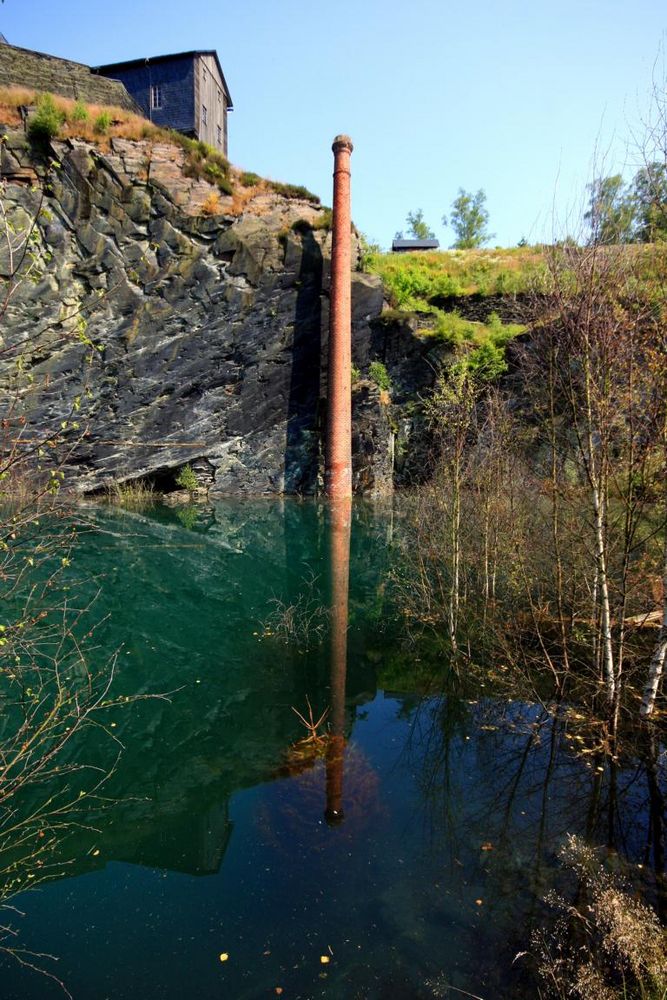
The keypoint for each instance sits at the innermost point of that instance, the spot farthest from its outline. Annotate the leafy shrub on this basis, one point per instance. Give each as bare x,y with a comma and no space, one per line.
203,162
481,346
79,112
47,120
187,479
451,328
249,179
213,172
377,372
487,360
102,123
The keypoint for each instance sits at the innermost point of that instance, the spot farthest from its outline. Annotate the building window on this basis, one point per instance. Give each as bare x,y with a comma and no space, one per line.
156,95
219,136
204,115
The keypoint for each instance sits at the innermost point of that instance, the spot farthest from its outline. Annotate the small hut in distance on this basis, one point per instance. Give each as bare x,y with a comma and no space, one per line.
409,246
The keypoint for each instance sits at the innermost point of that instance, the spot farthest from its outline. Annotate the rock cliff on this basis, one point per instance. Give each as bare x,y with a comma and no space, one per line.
148,334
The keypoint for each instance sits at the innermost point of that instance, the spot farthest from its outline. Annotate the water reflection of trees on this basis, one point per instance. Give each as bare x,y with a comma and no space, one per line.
501,777
504,783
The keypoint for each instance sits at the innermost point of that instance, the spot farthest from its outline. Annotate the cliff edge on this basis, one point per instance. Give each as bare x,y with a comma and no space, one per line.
149,332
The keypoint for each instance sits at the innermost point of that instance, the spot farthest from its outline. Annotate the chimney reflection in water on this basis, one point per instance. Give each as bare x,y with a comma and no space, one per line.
340,528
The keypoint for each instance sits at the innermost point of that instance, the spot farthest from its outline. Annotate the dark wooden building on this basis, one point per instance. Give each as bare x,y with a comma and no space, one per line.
409,246
186,91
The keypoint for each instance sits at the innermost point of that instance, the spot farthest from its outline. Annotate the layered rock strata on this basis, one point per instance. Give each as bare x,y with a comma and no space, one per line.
146,335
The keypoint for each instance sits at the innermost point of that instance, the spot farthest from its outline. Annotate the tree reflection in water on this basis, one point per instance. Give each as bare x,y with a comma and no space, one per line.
504,783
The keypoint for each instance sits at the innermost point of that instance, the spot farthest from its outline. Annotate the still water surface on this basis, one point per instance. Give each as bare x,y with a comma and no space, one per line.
413,860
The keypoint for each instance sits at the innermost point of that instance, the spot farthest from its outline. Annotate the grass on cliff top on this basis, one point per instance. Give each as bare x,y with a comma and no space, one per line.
413,280
422,284
416,282
61,118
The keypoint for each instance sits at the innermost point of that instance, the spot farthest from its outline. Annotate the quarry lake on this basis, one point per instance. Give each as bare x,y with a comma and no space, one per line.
404,851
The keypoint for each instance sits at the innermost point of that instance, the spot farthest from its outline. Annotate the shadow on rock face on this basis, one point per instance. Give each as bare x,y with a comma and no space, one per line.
302,439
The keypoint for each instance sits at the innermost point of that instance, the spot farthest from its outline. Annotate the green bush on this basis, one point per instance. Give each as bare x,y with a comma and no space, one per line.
80,112
377,372
102,123
249,179
294,191
487,360
452,329
187,480
47,120
203,162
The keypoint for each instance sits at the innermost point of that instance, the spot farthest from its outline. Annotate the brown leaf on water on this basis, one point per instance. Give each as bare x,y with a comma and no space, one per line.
487,846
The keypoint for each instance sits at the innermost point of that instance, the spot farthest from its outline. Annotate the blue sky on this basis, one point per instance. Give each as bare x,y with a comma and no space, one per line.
519,98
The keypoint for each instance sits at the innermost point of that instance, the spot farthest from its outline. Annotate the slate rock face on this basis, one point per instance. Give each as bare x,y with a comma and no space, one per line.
150,336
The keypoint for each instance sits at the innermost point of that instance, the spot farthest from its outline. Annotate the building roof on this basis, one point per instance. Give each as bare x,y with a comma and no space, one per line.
108,67
415,245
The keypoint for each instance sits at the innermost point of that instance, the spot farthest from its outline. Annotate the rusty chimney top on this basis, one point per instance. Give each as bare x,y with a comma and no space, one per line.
342,142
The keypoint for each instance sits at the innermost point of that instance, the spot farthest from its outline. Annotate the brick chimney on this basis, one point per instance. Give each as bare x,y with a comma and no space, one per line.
338,464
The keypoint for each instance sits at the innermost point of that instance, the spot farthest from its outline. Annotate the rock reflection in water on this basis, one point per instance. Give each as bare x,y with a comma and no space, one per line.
446,797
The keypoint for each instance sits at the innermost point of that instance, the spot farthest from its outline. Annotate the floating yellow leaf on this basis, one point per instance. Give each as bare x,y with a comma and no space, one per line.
224,956
324,959
479,901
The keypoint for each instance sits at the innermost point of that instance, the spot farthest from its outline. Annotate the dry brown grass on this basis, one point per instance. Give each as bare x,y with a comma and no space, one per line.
211,204
201,161
243,195
125,124
608,945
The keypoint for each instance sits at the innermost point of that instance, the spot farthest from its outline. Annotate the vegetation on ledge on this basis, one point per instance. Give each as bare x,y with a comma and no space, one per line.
58,117
440,287
413,281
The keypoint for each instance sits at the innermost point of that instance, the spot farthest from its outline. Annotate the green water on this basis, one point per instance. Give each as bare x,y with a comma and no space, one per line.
213,840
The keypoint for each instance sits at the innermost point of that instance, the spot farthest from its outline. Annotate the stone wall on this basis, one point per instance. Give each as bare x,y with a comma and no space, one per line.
41,72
